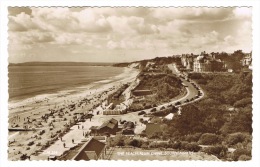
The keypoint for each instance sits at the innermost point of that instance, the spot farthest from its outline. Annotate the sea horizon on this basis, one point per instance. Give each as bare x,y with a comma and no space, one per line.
26,81
62,63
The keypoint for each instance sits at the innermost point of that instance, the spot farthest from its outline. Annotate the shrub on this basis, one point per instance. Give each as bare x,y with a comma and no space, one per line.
184,144
175,145
239,152
161,113
193,138
173,109
192,147
144,145
243,102
219,151
202,81
135,143
244,158
235,138
195,76
209,139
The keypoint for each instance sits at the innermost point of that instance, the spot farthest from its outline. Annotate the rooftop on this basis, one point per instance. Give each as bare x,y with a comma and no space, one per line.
110,124
90,150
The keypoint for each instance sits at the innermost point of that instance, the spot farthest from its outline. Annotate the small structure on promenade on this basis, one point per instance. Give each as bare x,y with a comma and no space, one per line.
107,128
91,150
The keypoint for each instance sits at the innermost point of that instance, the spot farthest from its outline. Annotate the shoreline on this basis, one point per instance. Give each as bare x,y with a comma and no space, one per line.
33,112
22,99
18,101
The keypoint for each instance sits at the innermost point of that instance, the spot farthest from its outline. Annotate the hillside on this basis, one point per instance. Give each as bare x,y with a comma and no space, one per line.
157,61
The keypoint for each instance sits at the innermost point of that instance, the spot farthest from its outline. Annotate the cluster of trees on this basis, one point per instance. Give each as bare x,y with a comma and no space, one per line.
232,61
227,89
222,119
138,105
121,140
164,87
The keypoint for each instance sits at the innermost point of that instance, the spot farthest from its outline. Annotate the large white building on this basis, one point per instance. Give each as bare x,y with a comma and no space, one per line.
202,64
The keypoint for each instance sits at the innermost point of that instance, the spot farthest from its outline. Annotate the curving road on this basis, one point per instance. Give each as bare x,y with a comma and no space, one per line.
192,92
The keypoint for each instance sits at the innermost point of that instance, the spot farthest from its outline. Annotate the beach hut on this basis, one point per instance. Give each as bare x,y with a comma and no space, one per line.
112,112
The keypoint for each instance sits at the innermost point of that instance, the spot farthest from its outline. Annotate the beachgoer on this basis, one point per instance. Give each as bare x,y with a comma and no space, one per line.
64,145
72,140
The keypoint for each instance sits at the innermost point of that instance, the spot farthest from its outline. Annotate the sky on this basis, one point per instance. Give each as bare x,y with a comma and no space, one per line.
84,34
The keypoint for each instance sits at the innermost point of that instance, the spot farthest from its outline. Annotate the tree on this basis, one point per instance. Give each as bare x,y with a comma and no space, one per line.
192,147
239,152
244,158
238,137
190,121
219,151
209,139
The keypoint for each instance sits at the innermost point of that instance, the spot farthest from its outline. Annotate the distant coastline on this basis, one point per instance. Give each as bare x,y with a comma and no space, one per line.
61,64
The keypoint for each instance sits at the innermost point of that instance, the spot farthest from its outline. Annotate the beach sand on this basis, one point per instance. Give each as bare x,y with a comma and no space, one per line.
48,117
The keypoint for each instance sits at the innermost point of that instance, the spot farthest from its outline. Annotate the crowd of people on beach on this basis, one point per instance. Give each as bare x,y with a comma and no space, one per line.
59,115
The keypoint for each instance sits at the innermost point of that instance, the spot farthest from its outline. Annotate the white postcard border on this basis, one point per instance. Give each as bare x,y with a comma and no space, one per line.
161,3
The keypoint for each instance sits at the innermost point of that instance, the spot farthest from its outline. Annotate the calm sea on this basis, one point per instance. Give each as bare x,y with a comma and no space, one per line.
27,81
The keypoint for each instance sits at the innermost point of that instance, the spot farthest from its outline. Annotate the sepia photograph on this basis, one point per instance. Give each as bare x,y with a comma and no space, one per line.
130,83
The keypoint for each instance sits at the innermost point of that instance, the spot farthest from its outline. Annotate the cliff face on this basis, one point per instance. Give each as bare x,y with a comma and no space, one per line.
157,61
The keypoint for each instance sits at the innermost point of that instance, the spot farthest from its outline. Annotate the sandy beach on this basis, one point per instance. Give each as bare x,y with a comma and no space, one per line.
36,123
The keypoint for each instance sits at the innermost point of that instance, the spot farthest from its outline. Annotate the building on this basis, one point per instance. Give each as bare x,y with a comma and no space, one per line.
202,64
247,60
112,112
207,63
187,61
91,150
118,110
109,127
